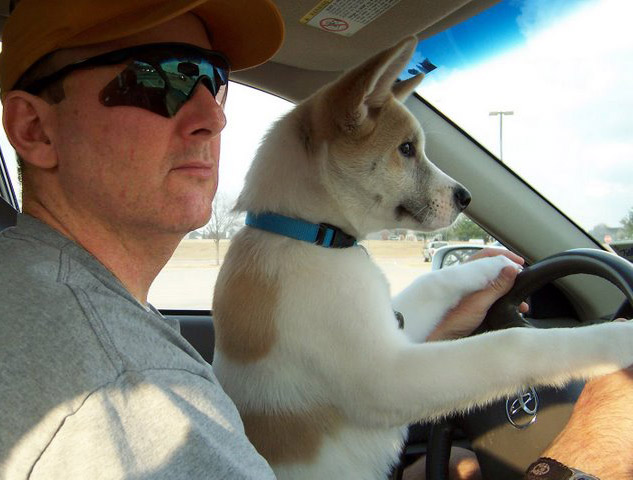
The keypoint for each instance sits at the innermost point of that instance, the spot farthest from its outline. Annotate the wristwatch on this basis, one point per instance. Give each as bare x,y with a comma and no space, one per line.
549,469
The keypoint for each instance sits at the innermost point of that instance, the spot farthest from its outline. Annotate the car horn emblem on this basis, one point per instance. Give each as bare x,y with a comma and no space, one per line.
521,409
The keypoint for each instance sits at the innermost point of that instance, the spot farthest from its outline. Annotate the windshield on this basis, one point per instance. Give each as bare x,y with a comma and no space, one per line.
546,87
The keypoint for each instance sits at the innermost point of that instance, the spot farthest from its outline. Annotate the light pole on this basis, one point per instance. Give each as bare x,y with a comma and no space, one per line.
501,114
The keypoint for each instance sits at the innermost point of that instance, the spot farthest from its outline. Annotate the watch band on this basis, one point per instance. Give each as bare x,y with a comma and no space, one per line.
549,469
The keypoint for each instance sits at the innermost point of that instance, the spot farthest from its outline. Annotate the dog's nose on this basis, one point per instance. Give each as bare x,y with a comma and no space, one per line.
462,197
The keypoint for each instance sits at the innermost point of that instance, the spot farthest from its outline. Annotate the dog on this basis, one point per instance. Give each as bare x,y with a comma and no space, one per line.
307,344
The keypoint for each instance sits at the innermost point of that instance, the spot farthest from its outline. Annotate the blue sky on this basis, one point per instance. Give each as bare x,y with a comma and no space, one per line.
565,68
495,30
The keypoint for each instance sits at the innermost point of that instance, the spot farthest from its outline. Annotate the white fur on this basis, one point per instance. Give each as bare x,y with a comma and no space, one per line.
337,342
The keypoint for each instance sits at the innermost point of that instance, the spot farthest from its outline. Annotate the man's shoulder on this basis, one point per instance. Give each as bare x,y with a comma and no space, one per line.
44,331
46,337
19,248
29,288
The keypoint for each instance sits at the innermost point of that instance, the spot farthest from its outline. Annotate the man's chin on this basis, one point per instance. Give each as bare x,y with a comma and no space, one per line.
183,222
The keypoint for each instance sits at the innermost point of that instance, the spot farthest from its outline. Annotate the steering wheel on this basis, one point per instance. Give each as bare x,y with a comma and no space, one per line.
505,450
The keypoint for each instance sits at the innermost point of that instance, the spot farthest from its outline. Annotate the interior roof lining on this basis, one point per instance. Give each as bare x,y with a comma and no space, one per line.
321,57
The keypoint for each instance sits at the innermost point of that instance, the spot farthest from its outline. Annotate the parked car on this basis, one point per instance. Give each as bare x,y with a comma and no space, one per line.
624,248
455,254
431,248
551,143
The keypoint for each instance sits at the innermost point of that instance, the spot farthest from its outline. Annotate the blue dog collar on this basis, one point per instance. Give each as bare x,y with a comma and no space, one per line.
316,233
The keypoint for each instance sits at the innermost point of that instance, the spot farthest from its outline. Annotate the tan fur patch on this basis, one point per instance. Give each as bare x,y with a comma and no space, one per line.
291,437
244,315
386,130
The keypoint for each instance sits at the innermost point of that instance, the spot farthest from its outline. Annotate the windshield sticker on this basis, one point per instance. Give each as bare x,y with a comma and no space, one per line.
345,17
417,65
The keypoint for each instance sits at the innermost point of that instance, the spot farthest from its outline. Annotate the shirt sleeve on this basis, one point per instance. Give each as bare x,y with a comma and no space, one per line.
157,424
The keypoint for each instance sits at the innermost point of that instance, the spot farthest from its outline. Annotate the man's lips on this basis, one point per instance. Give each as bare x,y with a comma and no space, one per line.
202,170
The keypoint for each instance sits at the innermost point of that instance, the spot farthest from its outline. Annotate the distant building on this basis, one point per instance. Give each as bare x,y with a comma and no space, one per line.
606,234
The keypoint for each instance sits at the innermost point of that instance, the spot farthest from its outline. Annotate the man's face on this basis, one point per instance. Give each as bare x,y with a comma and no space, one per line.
129,167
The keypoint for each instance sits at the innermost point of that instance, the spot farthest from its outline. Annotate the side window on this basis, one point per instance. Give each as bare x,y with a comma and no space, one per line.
9,185
188,279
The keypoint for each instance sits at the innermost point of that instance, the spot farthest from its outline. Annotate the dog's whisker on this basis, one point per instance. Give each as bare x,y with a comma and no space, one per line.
422,210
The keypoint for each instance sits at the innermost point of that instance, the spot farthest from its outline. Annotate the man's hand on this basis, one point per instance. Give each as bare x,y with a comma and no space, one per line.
470,312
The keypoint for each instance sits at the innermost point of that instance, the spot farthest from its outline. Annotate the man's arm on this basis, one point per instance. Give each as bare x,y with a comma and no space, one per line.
598,438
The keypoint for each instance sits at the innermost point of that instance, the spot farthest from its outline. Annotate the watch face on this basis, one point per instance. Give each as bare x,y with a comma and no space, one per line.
548,469
540,469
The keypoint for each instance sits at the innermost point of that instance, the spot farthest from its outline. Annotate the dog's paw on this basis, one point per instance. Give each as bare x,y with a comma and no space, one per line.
479,273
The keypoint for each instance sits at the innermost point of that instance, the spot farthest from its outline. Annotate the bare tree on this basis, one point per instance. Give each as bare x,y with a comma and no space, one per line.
223,219
627,225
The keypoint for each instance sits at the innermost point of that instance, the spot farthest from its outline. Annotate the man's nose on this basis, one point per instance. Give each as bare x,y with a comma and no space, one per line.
206,115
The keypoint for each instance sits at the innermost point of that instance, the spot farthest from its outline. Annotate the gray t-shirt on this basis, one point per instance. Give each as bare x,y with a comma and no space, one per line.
95,386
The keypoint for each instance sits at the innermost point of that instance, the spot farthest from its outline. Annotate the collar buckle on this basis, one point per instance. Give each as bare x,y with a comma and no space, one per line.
333,237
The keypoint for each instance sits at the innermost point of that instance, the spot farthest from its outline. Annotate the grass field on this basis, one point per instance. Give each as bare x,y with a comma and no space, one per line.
196,252
187,280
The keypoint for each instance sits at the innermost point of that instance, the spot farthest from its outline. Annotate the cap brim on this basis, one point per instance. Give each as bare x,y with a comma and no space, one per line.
248,32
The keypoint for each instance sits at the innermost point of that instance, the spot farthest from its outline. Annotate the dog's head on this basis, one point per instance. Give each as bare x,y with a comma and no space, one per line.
358,161
377,168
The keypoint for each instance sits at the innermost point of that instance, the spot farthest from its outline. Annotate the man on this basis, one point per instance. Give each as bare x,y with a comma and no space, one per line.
95,382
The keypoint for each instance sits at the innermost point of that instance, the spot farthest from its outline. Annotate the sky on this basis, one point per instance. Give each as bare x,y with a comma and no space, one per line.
500,28
568,82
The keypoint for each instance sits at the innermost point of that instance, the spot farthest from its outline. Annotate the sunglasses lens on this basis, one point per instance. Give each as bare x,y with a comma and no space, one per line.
164,86
139,85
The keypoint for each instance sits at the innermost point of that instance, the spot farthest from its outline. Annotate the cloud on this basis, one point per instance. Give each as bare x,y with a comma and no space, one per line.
536,15
569,86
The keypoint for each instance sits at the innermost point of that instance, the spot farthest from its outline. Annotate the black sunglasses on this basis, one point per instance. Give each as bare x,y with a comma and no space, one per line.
159,77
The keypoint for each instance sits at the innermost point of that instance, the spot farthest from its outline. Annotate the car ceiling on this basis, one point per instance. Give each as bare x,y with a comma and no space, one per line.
309,57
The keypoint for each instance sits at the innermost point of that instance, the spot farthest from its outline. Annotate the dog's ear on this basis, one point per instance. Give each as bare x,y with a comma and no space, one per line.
369,85
386,68
401,90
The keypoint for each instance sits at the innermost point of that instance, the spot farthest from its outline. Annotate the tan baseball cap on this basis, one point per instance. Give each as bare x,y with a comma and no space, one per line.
248,32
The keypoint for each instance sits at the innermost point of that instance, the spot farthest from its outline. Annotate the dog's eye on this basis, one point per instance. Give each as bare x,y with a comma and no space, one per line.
407,149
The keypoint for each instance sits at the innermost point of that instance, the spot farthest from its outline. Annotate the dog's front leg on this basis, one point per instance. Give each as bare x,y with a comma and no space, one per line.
422,381
428,299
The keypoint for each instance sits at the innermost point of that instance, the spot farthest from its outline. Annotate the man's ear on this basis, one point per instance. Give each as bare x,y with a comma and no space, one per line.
26,120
